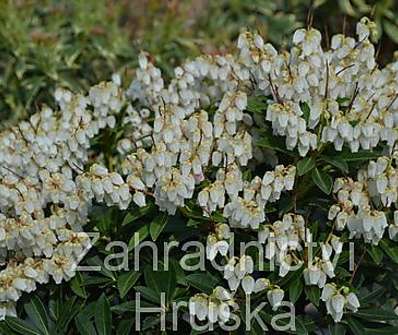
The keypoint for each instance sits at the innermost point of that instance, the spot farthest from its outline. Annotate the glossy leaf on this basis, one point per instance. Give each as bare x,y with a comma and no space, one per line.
157,225
103,316
21,327
305,165
295,289
143,233
322,180
390,250
337,329
124,327
126,281
391,30
38,314
376,314
356,327
313,294
77,285
376,253
161,282
337,163
204,282
84,325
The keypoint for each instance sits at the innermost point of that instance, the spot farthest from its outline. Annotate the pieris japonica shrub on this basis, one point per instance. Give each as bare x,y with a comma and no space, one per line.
290,151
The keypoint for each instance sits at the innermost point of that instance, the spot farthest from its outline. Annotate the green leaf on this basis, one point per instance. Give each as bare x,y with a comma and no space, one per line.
391,29
346,7
126,281
138,213
5,329
360,156
390,250
128,219
204,282
96,261
143,234
382,331
124,327
161,282
291,277
84,325
272,142
256,104
318,3
337,329
301,327
372,295
337,163
21,327
305,165
150,323
355,326
376,314
103,316
193,223
306,111
322,180
313,294
62,312
97,280
295,289
362,6
38,314
128,306
376,253
77,286
157,225
148,294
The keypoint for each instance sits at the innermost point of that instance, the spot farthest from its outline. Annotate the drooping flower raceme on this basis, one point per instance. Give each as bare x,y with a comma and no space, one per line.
46,197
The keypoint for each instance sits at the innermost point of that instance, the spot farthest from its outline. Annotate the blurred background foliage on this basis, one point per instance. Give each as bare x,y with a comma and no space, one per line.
77,43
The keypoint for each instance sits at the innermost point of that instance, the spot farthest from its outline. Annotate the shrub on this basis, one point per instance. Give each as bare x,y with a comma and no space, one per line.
292,151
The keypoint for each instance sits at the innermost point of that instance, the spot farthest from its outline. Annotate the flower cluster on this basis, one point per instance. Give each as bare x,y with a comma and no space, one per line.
103,186
287,121
361,202
248,211
350,100
236,269
284,239
46,197
338,299
137,131
216,307
218,241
